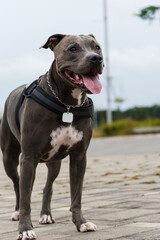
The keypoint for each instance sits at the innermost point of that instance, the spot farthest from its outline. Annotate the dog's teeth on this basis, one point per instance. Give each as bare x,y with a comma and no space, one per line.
76,76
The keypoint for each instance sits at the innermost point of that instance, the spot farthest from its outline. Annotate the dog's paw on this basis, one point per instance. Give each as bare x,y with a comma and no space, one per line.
46,219
15,216
88,226
30,234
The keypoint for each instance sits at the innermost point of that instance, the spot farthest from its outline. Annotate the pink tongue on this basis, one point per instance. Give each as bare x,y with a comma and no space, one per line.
92,83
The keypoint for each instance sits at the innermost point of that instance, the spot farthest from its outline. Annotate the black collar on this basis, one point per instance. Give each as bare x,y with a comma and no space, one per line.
35,92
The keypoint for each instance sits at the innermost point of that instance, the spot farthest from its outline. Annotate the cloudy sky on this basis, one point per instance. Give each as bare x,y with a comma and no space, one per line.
134,45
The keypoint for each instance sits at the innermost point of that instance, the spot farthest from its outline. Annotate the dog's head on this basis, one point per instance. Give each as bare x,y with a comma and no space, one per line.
79,60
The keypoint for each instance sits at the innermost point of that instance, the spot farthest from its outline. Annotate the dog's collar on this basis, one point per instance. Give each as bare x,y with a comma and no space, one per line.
35,92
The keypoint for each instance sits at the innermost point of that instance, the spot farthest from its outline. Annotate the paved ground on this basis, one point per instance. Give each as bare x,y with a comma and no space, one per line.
121,193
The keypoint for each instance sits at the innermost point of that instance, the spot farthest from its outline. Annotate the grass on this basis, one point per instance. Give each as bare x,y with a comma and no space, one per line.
113,181
136,177
156,174
123,127
149,182
111,173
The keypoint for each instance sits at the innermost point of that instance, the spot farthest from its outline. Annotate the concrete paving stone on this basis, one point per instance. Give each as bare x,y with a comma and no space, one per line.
129,213
149,235
54,236
137,204
9,236
7,226
123,209
125,145
118,231
101,214
152,218
146,225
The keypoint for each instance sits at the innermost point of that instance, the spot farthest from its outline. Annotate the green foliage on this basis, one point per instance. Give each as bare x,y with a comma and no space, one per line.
124,127
148,13
119,100
121,127
136,113
147,123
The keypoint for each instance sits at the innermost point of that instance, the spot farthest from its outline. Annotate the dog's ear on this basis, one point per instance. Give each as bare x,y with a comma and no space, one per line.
53,41
91,35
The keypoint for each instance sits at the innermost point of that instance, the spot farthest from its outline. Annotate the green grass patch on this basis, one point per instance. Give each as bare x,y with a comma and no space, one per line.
149,182
118,128
123,127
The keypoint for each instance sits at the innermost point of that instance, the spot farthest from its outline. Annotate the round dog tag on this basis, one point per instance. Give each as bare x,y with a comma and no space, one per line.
67,117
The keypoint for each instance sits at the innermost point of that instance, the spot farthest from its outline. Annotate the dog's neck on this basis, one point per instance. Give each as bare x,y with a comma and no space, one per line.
68,94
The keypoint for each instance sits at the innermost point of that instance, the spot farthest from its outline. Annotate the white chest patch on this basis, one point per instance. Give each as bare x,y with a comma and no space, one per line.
67,136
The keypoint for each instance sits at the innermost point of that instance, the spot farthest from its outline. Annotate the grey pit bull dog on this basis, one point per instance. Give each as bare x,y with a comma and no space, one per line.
47,136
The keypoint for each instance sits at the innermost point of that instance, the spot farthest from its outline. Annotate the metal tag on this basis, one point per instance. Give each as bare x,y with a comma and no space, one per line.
67,117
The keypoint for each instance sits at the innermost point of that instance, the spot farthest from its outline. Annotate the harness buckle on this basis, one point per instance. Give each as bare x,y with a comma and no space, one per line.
29,89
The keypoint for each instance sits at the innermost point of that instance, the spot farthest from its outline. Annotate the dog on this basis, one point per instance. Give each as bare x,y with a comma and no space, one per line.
57,125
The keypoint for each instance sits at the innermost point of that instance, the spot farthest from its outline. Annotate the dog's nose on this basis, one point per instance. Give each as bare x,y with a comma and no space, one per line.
96,59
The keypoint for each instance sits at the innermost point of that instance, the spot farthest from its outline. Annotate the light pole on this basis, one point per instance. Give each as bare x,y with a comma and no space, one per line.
108,78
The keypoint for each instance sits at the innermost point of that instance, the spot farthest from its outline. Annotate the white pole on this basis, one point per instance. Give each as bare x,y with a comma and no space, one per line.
108,78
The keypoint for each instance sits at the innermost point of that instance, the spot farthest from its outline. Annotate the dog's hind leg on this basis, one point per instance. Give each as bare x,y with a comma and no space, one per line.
11,150
53,171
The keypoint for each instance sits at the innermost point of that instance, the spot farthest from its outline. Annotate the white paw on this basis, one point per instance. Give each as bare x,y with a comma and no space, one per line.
15,216
27,235
88,226
46,219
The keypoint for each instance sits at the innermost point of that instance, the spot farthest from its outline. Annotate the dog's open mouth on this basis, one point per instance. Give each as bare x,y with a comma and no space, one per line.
87,82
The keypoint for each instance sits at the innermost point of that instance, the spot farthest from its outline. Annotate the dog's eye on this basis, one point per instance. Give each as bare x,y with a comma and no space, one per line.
97,47
73,49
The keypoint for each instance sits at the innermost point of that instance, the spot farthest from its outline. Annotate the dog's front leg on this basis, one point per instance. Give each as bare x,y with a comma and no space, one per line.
27,176
77,170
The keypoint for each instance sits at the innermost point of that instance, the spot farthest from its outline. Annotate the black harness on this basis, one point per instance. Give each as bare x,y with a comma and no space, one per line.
35,92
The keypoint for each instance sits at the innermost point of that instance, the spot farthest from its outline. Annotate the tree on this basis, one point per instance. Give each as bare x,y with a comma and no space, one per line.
119,101
149,13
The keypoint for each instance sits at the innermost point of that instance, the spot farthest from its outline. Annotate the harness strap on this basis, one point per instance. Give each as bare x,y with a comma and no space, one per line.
35,92
21,99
